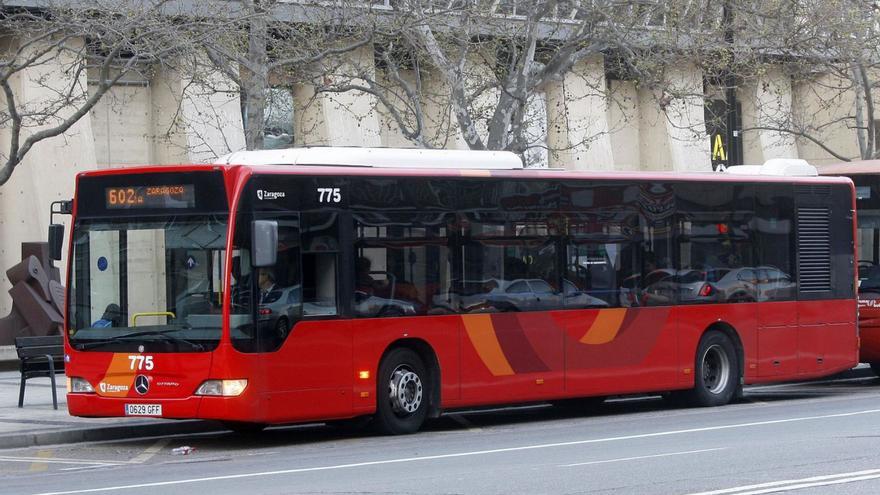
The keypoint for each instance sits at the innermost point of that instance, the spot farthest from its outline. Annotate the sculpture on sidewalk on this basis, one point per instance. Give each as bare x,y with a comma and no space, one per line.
37,296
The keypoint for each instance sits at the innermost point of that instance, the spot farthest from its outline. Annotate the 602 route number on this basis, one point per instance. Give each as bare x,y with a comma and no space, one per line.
329,195
141,362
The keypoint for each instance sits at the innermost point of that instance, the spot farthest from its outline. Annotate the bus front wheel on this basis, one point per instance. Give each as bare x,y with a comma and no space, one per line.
402,393
716,371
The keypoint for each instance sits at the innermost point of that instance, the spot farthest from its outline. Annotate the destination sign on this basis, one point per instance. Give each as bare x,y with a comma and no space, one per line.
160,196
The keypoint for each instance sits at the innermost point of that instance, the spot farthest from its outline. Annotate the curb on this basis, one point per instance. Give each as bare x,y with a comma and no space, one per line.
8,358
105,433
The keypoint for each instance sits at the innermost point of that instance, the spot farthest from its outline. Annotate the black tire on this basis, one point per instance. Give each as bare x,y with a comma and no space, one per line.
402,393
281,328
244,429
875,367
716,372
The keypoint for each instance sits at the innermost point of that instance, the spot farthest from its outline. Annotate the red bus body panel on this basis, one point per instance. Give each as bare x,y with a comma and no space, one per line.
485,359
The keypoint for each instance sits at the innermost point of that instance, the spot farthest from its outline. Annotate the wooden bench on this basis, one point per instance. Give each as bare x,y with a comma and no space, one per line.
40,356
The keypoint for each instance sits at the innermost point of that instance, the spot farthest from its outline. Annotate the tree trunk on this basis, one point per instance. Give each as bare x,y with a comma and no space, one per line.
255,81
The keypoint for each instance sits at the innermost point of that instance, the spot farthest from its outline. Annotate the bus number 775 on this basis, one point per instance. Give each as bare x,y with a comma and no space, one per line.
141,362
329,195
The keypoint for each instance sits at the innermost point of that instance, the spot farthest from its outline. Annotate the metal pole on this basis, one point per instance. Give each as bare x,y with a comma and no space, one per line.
733,137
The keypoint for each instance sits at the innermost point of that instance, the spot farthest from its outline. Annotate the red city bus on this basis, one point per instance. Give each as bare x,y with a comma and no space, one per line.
866,176
324,284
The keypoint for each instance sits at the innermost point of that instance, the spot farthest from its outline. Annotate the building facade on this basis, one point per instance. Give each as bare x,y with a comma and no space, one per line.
168,117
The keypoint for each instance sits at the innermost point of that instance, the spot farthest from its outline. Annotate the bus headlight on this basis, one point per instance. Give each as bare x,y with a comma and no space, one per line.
223,388
77,385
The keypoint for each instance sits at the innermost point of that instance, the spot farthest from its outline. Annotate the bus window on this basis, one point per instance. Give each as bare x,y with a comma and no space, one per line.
154,278
592,274
402,264
270,296
715,245
775,240
511,255
319,263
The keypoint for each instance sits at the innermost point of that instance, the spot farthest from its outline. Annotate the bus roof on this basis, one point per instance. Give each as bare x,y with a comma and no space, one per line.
857,167
378,158
445,163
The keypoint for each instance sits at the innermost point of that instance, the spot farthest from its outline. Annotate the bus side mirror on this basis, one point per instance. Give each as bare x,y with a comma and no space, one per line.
56,240
264,234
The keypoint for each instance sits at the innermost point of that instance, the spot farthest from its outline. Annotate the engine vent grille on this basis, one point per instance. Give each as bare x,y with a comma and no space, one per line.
814,249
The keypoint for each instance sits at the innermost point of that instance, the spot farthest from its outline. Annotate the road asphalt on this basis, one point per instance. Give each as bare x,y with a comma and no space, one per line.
38,423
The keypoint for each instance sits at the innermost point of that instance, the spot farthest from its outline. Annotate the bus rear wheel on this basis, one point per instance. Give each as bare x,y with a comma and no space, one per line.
402,393
716,371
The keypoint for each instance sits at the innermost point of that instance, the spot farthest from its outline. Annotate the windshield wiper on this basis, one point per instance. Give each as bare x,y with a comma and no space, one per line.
165,334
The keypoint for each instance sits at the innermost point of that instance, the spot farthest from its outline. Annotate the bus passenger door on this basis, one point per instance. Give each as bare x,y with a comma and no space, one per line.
310,373
774,243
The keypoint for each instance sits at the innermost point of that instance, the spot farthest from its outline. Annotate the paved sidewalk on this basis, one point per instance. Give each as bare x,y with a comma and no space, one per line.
37,423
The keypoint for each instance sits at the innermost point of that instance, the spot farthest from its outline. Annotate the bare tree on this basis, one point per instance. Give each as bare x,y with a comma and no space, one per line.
829,51
75,53
270,42
493,59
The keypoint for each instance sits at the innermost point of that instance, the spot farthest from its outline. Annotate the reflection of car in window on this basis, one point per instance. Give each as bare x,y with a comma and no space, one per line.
533,294
280,308
745,284
380,293
369,305
577,298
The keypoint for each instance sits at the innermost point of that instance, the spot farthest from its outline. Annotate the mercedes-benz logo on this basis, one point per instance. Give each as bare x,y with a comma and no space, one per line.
141,384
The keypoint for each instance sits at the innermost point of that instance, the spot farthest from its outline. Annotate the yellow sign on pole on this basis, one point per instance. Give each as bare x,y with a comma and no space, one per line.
718,149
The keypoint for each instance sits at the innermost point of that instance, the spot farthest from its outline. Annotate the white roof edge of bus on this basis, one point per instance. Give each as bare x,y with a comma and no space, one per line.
786,167
377,157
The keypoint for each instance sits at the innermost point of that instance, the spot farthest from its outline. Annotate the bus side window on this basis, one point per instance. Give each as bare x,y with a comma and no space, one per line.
319,263
319,284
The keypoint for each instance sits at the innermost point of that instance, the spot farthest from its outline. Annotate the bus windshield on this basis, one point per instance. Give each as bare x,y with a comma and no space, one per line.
147,284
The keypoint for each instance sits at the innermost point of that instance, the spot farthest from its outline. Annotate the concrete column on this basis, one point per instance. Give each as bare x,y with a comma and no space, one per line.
390,134
767,104
673,129
338,119
577,118
122,125
823,100
48,170
194,118
624,117
442,127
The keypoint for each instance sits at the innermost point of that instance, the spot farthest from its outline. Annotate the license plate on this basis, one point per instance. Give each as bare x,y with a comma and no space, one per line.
143,409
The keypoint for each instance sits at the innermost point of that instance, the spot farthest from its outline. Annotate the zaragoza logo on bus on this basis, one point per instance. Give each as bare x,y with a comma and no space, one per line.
261,194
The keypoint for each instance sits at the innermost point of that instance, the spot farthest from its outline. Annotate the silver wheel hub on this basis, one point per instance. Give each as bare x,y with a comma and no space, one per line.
405,391
716,369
